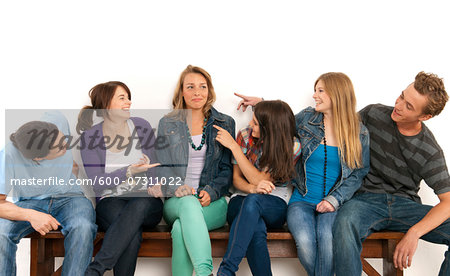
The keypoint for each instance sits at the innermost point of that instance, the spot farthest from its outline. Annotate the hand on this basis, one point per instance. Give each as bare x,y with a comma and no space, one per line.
155,190
75,169
224,137
184,190
204,198
264,187
246,101
404,251
324,207
143,165
42,222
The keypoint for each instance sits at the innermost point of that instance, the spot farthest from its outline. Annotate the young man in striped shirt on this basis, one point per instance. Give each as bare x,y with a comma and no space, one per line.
403,153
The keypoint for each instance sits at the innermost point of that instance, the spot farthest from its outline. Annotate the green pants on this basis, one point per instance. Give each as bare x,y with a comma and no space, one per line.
191,246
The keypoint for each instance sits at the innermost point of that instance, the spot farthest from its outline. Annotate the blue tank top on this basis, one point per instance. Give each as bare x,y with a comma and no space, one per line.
314,174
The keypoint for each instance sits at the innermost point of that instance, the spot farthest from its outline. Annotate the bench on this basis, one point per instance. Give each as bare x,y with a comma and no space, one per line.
157,243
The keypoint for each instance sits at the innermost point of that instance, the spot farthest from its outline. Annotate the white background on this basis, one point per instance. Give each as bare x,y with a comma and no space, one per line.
53,52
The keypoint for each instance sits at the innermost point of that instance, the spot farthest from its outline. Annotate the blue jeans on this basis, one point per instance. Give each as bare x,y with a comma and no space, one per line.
123,219
250,216
76,216
312,232
367,213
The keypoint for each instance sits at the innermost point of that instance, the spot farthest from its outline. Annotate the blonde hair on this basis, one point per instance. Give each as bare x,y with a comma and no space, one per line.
345,119
178,102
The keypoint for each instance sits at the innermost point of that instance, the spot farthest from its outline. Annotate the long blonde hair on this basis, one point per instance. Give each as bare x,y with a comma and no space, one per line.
178,102
345,119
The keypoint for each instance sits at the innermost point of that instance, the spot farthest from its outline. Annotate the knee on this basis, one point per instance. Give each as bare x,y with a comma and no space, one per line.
84,228
343,224
251,203
7,232
189,202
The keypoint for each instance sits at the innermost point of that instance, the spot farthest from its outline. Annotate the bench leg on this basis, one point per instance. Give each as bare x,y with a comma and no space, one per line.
388,261
42,261
368,269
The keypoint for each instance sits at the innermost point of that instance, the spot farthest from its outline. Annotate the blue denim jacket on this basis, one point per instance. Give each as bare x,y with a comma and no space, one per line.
217,173
310,131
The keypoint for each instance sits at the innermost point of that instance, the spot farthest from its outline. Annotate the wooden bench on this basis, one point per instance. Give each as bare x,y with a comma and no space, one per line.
157,243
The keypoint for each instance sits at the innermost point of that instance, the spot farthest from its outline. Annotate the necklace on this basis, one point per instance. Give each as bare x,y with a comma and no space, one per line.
203,137
325,160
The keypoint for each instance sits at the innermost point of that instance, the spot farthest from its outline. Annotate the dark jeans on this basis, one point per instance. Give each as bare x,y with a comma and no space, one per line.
367,213
250,216
123,219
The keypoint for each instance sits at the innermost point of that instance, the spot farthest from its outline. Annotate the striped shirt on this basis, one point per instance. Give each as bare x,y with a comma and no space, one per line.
398,163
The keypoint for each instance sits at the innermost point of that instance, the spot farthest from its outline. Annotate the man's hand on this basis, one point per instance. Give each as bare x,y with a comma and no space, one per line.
246,101
404,251
264,187
324,207
204,198
42,222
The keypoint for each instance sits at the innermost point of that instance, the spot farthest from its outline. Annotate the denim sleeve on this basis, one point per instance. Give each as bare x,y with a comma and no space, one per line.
222,182
164,156
94,165
352,183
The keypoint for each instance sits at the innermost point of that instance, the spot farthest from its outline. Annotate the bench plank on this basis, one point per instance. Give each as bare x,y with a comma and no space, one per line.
157,242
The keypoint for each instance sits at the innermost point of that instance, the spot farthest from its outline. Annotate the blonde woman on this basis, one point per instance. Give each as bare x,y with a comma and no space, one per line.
199,169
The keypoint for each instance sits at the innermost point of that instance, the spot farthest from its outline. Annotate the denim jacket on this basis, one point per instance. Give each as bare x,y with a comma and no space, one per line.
310,131
217,174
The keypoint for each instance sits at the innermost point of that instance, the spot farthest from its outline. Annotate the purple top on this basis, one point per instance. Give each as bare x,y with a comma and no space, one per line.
93,152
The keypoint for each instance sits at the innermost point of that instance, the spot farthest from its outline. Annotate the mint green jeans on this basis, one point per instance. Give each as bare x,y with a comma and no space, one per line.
191,246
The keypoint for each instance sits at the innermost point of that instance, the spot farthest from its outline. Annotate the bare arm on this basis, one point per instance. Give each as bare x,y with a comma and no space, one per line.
262,187
247,101
406,248
41,222
239,181
250,172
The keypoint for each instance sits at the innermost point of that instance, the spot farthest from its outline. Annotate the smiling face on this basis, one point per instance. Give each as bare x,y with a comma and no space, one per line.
120,104
409,106
195,91
320,96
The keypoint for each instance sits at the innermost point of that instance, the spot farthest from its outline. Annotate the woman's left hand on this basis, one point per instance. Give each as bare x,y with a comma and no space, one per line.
204,198
324,207
224,137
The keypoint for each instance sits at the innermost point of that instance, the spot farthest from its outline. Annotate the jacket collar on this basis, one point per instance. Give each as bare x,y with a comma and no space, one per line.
316,118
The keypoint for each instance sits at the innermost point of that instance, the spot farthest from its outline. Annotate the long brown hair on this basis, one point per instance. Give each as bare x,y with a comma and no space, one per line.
345,118
277,131
178,102
101,96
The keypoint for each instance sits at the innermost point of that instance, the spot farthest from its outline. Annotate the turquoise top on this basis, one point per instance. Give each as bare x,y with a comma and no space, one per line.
314,174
